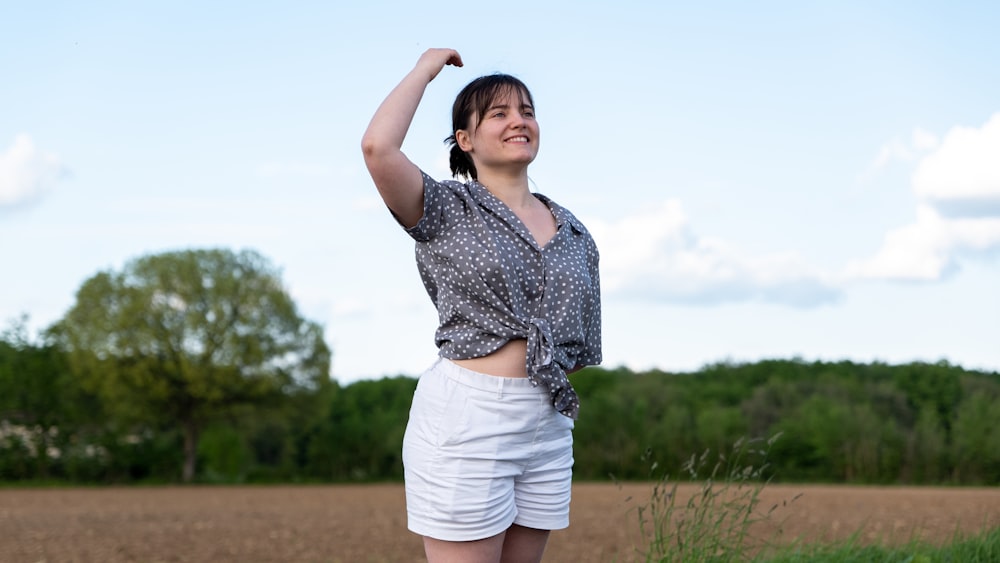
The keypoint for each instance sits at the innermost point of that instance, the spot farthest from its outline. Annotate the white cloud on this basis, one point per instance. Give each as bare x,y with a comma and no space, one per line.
26,173
655,255
966,166
919,251
893,150
959,214
928,250
898,150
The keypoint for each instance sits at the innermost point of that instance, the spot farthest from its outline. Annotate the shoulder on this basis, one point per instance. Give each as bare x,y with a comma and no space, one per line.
446,196
449,186
445,203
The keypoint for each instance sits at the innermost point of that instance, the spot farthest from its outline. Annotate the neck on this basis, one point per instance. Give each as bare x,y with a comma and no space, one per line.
510,188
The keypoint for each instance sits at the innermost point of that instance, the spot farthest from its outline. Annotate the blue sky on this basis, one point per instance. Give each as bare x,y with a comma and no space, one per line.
775,180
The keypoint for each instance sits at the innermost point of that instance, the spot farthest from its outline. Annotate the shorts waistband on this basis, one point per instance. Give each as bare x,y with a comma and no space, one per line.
483,381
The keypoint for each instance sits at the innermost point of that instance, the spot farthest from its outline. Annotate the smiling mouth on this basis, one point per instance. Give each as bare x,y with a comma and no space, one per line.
521,139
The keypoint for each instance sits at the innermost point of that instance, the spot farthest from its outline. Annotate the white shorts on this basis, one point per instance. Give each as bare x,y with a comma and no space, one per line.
483,452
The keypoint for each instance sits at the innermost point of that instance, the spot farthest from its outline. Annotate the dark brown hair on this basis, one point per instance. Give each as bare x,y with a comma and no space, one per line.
474,100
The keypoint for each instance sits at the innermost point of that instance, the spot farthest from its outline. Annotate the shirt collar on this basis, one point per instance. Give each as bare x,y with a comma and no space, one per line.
484,197
562,215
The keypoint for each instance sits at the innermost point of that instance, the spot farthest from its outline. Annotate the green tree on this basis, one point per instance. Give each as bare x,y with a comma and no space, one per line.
976,436
719,427
31,377
185,338
927,448
362,437
40,405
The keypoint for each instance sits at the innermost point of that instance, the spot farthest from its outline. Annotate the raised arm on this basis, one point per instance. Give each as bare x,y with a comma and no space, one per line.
398,180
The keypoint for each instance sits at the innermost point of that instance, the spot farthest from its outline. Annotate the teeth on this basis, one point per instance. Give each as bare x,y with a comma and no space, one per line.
518,139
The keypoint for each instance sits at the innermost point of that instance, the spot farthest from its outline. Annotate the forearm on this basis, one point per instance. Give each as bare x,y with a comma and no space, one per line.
388,127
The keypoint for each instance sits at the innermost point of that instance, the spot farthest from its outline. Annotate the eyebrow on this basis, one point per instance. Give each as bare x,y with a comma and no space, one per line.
507,106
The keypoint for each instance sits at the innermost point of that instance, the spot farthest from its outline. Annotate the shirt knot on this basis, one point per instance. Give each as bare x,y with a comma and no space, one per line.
543,369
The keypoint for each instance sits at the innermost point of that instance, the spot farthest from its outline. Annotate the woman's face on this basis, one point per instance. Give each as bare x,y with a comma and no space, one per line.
506,134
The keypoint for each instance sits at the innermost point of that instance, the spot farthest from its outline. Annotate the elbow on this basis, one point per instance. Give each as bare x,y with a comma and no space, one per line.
376,152
369,146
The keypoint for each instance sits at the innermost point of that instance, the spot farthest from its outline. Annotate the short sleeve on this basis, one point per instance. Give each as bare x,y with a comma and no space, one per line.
442,207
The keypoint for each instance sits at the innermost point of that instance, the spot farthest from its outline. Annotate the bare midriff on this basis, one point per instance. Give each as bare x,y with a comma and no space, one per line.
506,361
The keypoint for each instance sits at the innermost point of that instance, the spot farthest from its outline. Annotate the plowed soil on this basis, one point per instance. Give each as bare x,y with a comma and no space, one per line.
368,523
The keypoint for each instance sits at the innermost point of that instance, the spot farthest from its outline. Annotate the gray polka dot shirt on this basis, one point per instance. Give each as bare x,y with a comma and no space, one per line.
491,283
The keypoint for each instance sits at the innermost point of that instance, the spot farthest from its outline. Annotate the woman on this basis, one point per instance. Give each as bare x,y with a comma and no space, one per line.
488,450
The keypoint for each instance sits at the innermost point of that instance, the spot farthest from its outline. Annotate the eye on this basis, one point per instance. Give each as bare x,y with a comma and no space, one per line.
528,113
499,114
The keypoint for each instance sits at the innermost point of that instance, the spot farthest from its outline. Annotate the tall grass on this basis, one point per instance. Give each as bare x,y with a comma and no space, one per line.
713,524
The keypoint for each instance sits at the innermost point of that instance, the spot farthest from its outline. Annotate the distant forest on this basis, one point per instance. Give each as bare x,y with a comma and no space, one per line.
836,422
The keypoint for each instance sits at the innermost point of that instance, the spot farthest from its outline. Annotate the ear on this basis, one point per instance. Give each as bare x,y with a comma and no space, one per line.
463,140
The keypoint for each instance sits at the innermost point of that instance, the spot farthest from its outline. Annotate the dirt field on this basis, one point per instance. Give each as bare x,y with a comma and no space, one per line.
367,523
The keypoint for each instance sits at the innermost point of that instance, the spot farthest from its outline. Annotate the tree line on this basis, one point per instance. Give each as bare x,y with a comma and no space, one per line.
196,366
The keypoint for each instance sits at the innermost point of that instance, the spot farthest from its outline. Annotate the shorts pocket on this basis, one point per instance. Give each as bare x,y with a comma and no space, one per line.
438,408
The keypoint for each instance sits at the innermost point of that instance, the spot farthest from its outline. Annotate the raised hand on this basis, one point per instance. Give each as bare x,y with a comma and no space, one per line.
433,60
